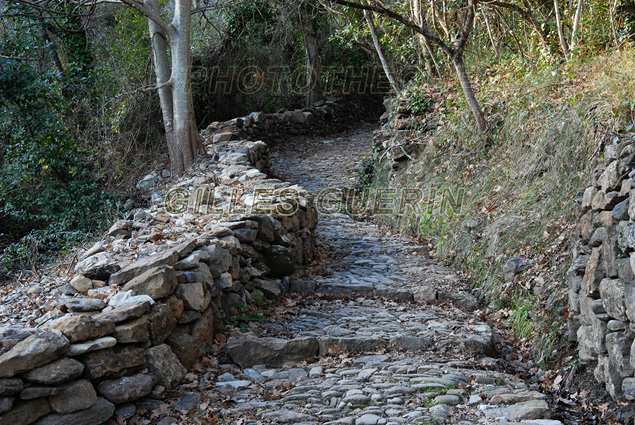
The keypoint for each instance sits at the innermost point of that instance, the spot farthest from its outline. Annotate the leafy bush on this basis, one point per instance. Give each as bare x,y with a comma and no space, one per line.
49,195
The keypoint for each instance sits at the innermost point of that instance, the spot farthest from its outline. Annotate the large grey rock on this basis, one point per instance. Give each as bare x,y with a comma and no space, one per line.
74,396
620,211
207,326
587,225
84,304
619,350
98,413
134,331
192,295
533,409
220,259
185,345
127,298
599,235
629,301
31,393
163,363
285,416
34,351
192,260
612,293
611,252
188,403
6,403
460,298
607,372
128,388
120,229
81,327
26,412
99,266
593,273
161,323
113,362
274,352
280,260
10,386
91,345
611,178
81,283
270,288
588,196
55,373
123,313
159,282
166,258
605,201
624,270
628,388
515,266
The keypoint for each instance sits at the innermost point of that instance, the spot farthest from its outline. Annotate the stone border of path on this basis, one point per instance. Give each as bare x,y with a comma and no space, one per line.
601,278
138,312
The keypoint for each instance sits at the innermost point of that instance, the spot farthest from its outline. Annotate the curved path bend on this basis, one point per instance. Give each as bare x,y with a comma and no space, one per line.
387,336
398,339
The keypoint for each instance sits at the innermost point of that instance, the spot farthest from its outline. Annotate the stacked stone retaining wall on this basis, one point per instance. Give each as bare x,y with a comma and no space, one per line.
324,117
601,279
143,303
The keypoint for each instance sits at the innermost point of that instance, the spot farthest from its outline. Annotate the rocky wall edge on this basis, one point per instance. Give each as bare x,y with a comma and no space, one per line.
149,298
601,278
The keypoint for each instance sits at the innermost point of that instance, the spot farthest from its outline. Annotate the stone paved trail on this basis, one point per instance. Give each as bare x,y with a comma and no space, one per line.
389,336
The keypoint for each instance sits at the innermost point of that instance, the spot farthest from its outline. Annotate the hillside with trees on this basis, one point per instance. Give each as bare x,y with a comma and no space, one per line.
515,102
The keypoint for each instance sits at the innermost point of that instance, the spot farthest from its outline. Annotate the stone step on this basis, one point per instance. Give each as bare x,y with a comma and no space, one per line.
384,389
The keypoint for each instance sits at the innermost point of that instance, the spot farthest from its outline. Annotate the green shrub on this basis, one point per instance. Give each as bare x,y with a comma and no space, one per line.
49,194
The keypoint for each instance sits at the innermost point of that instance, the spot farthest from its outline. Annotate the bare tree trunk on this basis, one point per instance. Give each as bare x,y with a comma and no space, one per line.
380,52
466,85
435,70
174,84
425,49
612,17
563,43
162,72
576,22
186,143
489,31
313,61
454,53
52,52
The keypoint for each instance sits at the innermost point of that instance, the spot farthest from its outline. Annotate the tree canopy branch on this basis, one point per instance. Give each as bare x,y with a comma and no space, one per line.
399,18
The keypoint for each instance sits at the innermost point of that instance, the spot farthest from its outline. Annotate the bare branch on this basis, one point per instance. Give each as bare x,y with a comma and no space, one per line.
157,87
468,24
399,18
19,58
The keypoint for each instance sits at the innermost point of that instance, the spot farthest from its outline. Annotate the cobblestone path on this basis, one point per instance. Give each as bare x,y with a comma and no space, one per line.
386,334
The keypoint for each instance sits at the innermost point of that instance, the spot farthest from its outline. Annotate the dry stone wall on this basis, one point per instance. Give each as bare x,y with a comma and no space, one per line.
148,298
323,117
601,279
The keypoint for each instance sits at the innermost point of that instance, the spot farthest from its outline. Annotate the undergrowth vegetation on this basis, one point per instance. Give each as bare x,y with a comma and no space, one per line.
521,179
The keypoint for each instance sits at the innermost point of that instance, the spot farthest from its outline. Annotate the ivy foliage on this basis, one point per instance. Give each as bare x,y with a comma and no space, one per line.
49,194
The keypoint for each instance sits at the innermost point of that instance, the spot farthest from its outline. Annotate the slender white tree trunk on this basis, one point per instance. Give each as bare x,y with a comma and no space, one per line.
489,31
613,29
466,85
576,22
186,141
563,43
173,80
425,49
380,52
162,71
